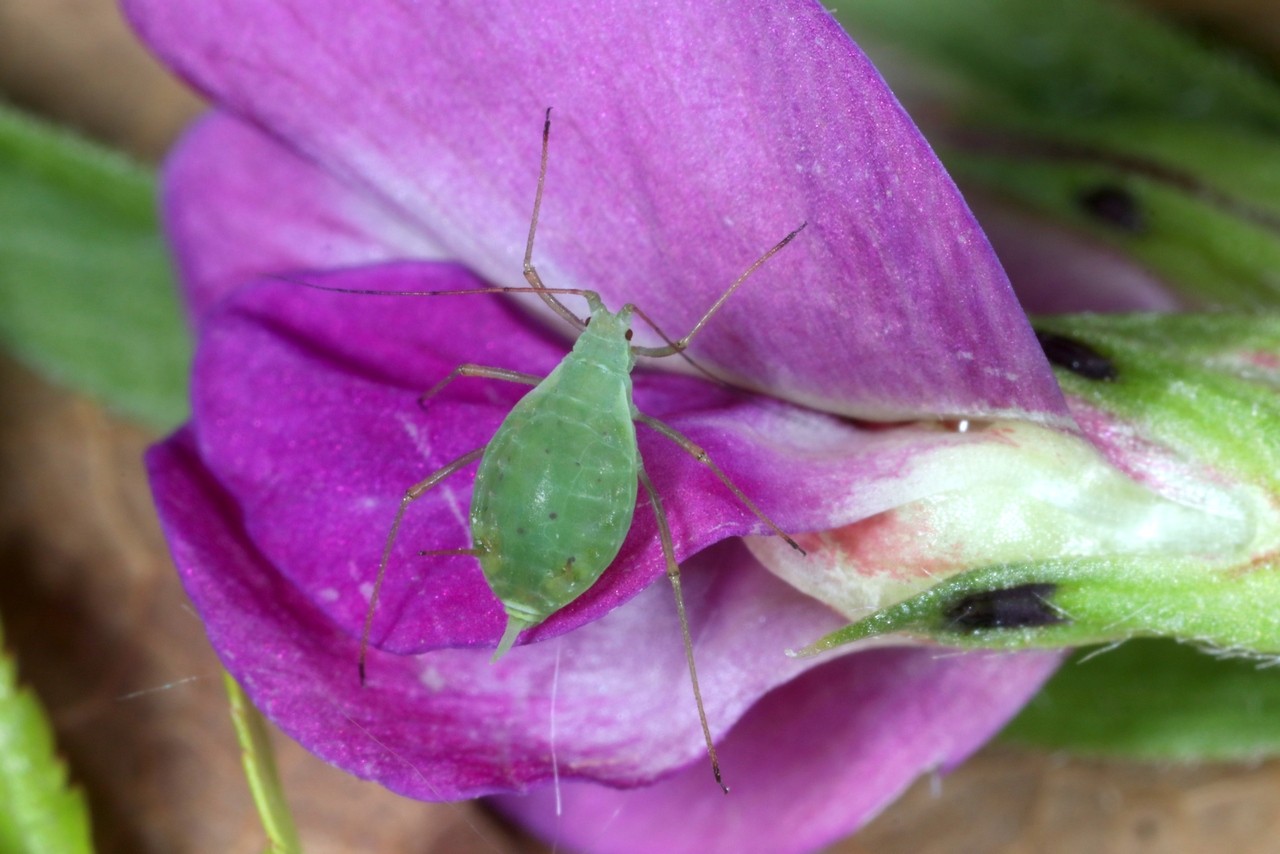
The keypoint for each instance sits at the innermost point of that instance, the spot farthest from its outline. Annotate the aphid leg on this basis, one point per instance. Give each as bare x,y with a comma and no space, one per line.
414,492
530,273
470,370
700,454
673,574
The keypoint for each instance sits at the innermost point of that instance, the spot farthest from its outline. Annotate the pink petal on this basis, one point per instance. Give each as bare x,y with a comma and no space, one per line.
618,689
687,142
238,204
609,703
810,762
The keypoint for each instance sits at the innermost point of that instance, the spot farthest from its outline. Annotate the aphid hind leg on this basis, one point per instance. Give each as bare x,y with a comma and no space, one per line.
673,575
414,492
472,370
699,453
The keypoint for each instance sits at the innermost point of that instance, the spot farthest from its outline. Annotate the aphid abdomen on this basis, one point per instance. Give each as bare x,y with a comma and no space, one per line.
556,489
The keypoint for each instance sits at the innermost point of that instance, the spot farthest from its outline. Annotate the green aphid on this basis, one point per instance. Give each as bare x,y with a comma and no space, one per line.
556,488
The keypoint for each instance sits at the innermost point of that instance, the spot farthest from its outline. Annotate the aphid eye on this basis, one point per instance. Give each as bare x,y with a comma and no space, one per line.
1114,206
1075,356
1026,606
587,322
628,334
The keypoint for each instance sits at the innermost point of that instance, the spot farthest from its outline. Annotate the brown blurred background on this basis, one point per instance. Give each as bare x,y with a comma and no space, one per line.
102,631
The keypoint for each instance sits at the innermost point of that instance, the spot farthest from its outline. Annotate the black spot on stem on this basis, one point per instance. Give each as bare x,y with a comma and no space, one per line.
1075,356
1114,206
1026,606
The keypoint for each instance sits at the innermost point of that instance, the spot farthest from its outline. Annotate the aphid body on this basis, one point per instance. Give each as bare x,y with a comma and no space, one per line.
566,453
556,488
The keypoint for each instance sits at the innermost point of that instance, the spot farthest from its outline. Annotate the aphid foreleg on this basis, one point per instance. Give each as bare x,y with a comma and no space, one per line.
673,575
700,454
414,492
471,370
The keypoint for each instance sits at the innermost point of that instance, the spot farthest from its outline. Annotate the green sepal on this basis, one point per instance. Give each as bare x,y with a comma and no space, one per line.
86,294
258,758
1206,386
39,812
1055,604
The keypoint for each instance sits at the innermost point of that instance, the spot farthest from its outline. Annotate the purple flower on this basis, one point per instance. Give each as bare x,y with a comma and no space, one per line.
394,146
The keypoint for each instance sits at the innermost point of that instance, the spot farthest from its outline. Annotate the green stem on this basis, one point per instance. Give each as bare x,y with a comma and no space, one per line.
260,769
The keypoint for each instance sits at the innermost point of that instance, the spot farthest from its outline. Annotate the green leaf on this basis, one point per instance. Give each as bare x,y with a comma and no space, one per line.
38,812
1205,385
86,294
1083,59
1044,104
1156,700
259,762
1197,219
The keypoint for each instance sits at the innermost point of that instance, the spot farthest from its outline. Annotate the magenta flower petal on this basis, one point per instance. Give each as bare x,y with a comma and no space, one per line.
238,204
819,756
306,408
601,704
686,144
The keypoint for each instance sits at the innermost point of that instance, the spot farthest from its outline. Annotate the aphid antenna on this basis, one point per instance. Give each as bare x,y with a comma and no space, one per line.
530,272
678,346
541,290
374,292
674,348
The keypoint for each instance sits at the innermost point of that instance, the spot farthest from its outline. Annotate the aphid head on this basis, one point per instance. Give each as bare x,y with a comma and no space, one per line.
605,324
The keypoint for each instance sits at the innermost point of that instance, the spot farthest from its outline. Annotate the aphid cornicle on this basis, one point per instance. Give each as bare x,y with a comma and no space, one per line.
556,488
